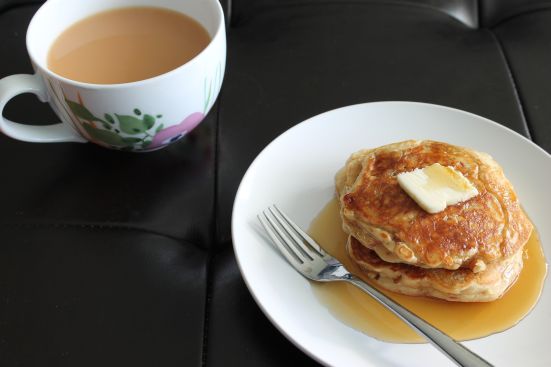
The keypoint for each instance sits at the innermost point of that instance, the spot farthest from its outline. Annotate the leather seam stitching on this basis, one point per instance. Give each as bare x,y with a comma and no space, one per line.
527,10
92,227
517,95
359,2
214,241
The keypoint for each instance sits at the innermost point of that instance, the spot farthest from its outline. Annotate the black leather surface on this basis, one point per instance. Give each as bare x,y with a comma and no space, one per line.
110,258
526,39
238,333
465,11
495,11
289,63
97,296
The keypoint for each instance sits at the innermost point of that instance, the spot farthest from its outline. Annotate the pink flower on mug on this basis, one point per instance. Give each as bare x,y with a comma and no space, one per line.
175,132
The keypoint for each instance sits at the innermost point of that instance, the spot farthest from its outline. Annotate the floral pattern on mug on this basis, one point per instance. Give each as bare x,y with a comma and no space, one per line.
135,131
175,132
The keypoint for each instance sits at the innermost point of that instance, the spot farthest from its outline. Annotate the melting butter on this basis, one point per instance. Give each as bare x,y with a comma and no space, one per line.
435,187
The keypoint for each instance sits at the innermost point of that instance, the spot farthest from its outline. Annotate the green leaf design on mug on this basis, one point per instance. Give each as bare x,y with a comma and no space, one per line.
132,125
113,129
109,119
81,111
104,136
132,141
149,121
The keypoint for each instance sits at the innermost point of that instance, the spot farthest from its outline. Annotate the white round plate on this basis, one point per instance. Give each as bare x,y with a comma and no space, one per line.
296,172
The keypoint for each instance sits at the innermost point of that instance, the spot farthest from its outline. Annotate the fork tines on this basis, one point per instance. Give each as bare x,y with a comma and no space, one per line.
292,241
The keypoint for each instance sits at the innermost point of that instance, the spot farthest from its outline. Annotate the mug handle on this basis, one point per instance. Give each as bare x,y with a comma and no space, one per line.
14,85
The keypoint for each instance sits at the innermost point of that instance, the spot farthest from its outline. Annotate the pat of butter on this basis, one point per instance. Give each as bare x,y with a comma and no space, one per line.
435,187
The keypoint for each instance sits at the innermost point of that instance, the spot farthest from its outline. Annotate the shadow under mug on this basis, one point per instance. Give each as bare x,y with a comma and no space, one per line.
139,116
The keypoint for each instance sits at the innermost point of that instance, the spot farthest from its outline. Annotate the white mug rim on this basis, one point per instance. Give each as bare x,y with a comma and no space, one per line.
217,34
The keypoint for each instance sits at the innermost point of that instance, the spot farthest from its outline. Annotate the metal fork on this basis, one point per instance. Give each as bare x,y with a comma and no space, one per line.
309,259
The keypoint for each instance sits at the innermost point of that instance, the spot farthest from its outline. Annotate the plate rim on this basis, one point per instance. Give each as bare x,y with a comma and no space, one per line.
301,124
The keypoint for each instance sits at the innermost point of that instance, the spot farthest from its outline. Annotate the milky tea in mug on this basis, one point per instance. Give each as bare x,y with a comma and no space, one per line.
126,45
133,75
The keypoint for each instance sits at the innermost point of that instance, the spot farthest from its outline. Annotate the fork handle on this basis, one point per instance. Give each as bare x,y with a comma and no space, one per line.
452,349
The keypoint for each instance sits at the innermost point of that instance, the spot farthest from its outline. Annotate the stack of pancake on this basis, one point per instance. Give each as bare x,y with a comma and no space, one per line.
469,252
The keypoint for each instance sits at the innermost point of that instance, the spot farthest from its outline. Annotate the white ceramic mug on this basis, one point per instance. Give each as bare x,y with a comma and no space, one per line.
138,116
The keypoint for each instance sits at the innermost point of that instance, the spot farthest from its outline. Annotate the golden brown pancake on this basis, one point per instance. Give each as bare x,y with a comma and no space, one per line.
453,285
474,234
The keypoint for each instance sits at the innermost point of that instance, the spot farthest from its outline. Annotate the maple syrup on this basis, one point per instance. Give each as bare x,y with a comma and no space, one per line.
460,320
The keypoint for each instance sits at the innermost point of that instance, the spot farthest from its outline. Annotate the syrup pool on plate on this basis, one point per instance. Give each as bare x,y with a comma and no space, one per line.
460,320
